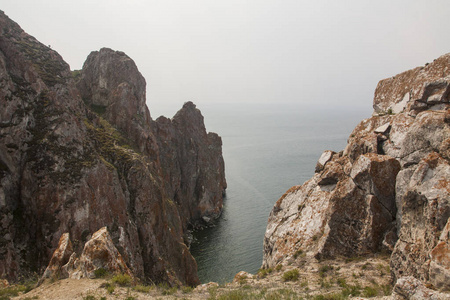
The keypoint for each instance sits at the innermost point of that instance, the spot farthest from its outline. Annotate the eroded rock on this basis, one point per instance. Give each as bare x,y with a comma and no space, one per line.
79,151
388,191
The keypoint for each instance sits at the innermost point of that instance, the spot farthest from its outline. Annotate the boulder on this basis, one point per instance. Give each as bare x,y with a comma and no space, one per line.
99,253
410,288
59,258
415,89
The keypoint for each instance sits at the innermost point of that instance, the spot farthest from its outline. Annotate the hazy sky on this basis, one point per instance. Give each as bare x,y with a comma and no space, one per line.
208,51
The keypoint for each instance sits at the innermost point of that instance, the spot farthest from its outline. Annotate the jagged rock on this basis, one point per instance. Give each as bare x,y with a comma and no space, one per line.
79,152
343,210
425,213
410,288
98,253
389,188
324,158
111,84
190,155
415,89
59,258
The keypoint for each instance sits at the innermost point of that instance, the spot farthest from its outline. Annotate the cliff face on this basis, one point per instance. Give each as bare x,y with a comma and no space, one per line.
79,151
387,191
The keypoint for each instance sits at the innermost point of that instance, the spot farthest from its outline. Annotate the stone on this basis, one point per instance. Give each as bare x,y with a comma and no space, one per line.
343,210
440,261
425,209
59,258
425,85
99,253
383,128
324,158
411,288
387,192
79,151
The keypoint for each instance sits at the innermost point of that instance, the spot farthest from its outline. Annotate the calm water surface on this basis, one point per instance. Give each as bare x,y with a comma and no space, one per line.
267,149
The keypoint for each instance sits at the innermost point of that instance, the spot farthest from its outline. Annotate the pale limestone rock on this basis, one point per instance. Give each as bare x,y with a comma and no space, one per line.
413,180
324,158
425,209
60,257
410,288
99,252
440,261
336,212
383,128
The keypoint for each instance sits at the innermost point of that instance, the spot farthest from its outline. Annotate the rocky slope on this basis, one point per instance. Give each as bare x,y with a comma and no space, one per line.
79,151
388,191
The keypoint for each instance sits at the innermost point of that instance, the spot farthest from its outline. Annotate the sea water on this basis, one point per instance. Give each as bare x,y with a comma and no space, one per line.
267,149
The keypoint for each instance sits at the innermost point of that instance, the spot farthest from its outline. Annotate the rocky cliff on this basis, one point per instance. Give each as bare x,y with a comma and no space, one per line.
388,191
79,152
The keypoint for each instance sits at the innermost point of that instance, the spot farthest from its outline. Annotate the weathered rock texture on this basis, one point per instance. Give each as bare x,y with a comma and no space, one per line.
388,190
79,151
98,253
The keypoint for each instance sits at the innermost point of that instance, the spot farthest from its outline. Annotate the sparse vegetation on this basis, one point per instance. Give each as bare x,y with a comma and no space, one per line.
323,270
100,273
142,288
291,275
298,253
122,279
262,273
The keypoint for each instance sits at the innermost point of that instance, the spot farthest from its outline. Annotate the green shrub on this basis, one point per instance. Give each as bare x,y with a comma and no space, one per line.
291,275
279,267
298,253
100,273
262,273
122,279
142,288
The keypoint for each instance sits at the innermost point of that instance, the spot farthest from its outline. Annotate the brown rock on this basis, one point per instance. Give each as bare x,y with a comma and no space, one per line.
75,158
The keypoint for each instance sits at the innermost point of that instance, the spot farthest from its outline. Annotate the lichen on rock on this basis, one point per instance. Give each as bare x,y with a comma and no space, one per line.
387,191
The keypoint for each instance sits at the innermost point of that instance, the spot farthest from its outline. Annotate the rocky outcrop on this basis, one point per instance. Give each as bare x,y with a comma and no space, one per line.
79,152
410,288
193,164
387,191
99,253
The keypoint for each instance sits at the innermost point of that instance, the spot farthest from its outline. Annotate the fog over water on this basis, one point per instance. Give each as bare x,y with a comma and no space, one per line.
234,51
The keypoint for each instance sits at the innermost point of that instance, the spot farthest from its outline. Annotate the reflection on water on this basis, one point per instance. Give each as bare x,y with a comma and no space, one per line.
267,149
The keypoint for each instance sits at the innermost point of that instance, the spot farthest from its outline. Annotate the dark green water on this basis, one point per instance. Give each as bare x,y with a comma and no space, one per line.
267,149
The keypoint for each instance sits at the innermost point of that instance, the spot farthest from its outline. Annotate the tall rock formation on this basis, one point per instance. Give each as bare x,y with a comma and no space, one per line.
79,152
387,191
